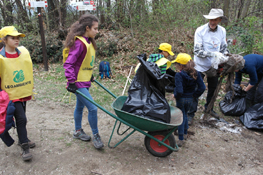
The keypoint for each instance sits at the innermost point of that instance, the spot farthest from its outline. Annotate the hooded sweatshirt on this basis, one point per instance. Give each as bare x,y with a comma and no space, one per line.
185,85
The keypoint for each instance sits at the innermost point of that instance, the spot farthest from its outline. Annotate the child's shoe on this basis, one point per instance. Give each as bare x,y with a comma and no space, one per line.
26,155
180,143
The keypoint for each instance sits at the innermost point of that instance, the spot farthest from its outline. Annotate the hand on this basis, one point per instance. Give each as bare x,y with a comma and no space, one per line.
92,78
72,88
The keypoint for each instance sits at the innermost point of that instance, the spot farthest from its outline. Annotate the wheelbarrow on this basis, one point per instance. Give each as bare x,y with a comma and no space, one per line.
159,139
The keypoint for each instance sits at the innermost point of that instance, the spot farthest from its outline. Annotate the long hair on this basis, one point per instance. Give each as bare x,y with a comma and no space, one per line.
79,28
190,69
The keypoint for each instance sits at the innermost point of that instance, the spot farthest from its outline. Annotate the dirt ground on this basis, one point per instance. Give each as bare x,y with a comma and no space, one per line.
210,150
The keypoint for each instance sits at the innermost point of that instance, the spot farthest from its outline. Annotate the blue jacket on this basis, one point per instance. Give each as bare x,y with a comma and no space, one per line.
9,121
185,85
253,67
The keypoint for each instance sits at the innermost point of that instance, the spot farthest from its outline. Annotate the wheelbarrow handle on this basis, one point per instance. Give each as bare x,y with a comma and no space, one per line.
105,89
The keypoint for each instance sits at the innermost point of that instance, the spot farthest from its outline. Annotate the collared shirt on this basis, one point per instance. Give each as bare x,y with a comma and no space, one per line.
205,43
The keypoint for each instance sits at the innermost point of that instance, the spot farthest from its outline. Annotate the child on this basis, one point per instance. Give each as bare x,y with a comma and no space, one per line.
165,50
185,90
104,69
16,78
78,71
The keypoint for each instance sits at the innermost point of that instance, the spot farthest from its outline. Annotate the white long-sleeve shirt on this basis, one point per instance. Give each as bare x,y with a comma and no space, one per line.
205,43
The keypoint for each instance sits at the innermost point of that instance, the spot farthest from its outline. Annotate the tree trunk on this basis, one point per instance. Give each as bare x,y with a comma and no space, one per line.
6,9
108,4
63,10
22,14
213,3
119,14
226,9
53,15
155,6
102,13
245,9
240,7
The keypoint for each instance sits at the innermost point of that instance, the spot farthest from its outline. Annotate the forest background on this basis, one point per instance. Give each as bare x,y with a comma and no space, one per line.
131,27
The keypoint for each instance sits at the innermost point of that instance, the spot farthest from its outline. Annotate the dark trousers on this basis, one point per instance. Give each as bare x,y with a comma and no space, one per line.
255,94
20,120
183,104
212,83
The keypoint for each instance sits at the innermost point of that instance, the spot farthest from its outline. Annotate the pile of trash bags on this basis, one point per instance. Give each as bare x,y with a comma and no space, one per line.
234,104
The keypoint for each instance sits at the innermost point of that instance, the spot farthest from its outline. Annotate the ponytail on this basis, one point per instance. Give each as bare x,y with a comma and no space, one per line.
190,69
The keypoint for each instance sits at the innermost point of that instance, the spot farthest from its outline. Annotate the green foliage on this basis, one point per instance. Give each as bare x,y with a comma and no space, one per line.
54,48
248,35
106,49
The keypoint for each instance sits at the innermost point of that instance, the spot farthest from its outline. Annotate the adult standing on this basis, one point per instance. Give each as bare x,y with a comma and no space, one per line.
209,42
254,68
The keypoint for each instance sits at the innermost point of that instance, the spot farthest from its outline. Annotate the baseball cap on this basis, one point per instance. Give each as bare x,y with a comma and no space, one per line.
166,47
183,58
10,30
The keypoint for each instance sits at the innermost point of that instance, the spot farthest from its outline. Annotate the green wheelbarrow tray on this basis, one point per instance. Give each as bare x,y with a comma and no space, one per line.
159,140
145,123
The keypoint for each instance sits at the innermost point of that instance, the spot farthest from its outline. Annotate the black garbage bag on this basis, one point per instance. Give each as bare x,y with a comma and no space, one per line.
234,104
253,117
146,94
170,87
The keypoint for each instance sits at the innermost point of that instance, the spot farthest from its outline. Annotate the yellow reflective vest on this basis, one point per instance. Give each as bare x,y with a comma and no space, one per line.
86,68
17,75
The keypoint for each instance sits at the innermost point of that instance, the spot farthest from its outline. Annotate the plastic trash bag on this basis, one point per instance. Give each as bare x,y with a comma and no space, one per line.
146,94
170,87
253,117
218,58
236,105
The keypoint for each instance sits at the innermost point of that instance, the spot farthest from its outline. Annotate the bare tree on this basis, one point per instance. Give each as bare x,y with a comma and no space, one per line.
6,9
22,15
226,9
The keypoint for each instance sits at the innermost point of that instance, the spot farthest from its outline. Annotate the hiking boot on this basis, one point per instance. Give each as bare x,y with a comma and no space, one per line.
185,136
30,143
190,122
80,134
26,155
213,114
180,143
98,144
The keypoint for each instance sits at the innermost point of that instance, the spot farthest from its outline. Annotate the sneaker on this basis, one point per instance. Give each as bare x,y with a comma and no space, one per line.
80,134
180,143
98,144
190,121
26,155
30,144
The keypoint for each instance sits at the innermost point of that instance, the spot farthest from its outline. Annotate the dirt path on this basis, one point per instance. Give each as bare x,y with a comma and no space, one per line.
208,151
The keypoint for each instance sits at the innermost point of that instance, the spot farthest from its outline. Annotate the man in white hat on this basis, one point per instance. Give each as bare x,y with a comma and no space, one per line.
210,40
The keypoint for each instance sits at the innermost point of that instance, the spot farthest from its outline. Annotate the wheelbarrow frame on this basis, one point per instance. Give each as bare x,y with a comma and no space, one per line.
118,119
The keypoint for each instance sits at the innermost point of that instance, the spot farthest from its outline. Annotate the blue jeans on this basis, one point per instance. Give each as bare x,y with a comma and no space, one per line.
92,116
184,104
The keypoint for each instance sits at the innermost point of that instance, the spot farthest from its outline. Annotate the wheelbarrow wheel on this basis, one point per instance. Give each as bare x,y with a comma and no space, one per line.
155,148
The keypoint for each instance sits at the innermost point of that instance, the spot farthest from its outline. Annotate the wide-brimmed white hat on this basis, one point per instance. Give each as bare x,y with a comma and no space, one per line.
216,13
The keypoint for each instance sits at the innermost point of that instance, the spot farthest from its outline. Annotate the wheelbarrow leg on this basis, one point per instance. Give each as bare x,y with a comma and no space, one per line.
116,121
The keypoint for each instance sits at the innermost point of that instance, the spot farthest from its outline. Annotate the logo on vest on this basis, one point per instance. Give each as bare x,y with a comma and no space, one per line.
18,76
92,61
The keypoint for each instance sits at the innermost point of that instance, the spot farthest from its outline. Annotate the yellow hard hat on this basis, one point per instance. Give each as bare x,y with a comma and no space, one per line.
10,30
166,47
182,58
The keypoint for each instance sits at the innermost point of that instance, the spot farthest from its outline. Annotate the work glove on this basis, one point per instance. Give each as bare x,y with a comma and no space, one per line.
218,58
72,88
92,78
